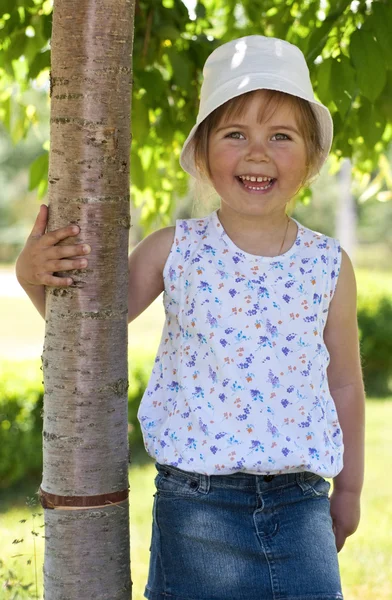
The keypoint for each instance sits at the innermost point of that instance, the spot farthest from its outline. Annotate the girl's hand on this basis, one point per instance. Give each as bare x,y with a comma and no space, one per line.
41,256
345,513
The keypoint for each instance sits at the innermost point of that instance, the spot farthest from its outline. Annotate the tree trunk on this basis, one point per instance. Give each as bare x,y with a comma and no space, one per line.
84,489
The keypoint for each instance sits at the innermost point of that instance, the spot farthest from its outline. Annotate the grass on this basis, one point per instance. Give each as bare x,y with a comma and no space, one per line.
365,561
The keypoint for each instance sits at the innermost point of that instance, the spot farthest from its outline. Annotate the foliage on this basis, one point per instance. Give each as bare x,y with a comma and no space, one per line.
347,45
21,404
375,327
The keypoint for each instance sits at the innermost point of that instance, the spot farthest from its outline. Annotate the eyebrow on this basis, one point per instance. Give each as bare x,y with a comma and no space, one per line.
242,126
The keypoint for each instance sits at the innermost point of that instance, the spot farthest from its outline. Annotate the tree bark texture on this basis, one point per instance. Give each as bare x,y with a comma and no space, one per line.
84,489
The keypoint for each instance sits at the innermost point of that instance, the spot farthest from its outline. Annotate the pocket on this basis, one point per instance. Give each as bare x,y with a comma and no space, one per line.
169,482
315,486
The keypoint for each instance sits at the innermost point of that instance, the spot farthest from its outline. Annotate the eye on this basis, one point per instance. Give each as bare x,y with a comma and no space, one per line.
280,137
234,135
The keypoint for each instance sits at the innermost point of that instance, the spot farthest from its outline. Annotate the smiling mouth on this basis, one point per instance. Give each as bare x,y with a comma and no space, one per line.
255,183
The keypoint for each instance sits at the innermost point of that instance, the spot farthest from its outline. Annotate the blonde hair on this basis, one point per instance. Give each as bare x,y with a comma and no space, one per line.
306,120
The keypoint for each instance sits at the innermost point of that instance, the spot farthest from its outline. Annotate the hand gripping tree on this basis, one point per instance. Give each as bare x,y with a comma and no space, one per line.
85,478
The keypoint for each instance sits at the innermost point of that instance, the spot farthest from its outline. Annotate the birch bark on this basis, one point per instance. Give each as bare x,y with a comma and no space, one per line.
85,441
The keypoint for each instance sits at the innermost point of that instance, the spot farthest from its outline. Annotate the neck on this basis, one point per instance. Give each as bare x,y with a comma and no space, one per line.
269,235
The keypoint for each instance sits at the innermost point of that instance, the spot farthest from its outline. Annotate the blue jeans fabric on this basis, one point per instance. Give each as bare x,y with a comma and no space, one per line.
242,537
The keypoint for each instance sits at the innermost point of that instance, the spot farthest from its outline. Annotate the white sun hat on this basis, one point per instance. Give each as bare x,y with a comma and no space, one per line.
252,63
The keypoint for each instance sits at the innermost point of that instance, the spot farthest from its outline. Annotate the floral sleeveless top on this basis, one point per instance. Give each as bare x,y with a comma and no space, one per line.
239,382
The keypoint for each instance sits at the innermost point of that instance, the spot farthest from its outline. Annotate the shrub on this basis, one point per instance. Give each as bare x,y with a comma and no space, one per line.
21,402
375,331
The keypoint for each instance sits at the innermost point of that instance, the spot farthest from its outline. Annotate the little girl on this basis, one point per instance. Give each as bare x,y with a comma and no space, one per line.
257,380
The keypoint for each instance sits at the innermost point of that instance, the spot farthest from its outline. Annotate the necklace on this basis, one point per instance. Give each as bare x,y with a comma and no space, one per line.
284,239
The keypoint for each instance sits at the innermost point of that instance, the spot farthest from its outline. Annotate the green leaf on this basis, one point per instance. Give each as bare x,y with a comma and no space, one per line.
371,123
385,100
379,23
137,173
369,63
39,170
323,78
342,84
200,11
182,68
40,62
140,120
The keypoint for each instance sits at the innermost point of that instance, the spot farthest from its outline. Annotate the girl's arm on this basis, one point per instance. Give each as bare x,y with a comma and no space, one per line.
346,387
146,264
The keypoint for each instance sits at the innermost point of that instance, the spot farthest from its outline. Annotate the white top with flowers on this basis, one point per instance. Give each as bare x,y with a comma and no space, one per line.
239,383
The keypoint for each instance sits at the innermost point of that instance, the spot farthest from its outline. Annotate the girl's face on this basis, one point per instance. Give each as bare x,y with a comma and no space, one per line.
256,168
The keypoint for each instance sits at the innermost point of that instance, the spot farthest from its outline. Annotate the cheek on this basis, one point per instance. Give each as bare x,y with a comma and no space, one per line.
222,160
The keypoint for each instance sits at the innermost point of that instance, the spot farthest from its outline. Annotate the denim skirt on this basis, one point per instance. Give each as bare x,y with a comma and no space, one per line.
242,537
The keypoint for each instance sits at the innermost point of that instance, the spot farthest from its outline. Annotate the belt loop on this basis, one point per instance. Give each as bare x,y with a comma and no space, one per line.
204,483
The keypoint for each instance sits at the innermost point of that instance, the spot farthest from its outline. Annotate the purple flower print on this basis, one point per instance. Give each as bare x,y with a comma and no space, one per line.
203,426
285,351
172,274
214,449
284,403
209,249
310,319
305,423
225,382
290,389
316,298
285,451
272,329
187,255
204,287
223,342
291,336
273,379
213,322
222,397
263,292
257,445
289,284
314,453
236,259
256,395
239,279
197,259
229,330
191,443
272,429
306,372
174,386
287,298
233,292
220,435
192,362
212,374
184,226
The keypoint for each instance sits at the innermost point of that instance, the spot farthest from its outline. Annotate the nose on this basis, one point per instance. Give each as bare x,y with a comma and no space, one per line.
257,152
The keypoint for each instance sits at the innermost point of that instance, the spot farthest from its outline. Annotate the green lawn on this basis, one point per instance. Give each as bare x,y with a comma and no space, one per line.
365,560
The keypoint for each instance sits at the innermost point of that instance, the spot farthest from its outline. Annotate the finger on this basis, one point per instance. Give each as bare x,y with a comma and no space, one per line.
58,252
41,222
66,265
54,237
52,281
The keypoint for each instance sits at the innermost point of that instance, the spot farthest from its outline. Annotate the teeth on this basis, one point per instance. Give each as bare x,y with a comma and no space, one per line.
253,178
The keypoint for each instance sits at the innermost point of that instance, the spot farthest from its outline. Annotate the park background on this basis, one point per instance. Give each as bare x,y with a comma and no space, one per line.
355,208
